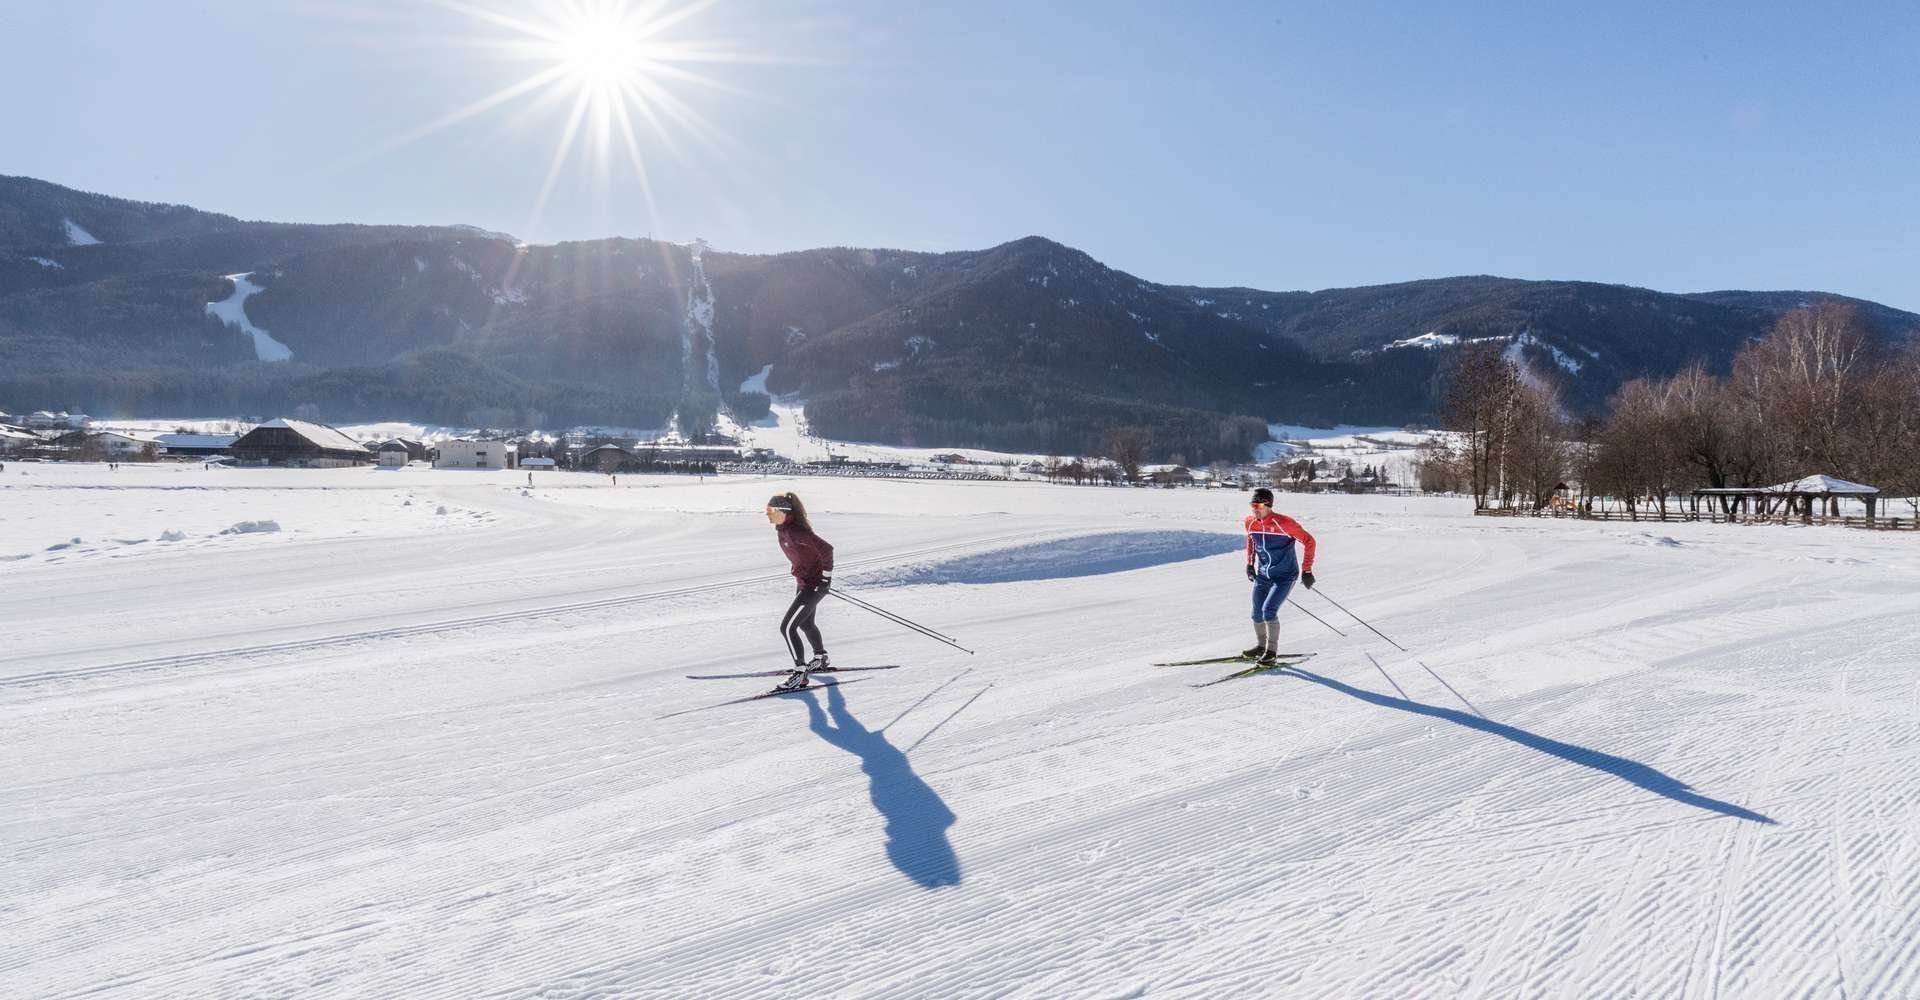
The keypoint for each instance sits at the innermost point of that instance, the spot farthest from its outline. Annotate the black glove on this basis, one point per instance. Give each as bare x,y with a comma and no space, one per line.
1249,571
1307,578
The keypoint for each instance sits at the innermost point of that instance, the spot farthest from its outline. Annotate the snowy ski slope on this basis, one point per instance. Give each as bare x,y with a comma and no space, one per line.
410,745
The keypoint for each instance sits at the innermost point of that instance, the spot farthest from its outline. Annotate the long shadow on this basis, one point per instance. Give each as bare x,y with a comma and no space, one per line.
917,818
1651,779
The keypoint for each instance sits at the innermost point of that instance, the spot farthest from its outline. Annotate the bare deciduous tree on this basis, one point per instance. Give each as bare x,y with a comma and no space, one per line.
1804,380
1536,456
1482,388
1127,446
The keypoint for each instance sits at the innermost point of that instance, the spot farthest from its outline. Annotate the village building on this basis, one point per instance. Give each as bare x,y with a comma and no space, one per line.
673,453
541,464
392,454
464,453
44,420
299,444
606,458
107,446
197,445
14,441
416,450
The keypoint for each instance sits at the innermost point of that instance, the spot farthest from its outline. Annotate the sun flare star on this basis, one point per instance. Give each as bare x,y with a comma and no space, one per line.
612,65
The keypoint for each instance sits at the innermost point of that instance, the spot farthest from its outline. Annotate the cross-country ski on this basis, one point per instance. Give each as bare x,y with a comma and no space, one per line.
762,696
1264,665
783,673
1235,658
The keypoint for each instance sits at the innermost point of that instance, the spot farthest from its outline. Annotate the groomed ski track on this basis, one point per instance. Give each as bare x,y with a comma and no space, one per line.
390,752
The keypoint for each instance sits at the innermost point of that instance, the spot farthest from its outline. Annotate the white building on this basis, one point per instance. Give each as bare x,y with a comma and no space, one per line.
42,420
462,453
12,440
118,446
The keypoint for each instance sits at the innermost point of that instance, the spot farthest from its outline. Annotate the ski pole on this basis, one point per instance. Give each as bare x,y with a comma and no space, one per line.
897,620
1315,617
1362,621
857,602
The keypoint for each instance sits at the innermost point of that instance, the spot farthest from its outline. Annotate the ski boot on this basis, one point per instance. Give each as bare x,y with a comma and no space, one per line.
1267,658
796,681
1252,654
819,664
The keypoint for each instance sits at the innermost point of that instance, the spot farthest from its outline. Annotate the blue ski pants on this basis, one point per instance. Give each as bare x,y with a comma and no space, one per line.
1268,595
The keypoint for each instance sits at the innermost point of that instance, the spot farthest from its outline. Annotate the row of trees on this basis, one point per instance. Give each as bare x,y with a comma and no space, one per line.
1818,394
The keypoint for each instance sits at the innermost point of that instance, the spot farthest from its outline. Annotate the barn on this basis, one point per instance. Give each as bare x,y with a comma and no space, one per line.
299,444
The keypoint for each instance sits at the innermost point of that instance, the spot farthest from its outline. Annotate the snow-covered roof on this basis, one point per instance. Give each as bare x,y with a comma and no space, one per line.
1823,484
197,440
128,436
319,434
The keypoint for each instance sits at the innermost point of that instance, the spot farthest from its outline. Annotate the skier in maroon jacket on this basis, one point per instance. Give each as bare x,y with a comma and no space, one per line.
812,560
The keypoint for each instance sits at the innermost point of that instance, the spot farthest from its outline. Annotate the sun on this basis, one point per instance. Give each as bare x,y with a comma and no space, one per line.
614,65
604,50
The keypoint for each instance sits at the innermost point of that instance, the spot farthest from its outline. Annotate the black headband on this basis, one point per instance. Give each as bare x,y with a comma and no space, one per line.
781,503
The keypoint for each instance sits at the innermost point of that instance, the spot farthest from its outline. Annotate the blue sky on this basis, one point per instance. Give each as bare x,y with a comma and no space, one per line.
1279,145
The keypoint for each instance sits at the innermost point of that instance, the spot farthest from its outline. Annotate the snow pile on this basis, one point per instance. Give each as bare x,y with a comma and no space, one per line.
232,311
253,528
48,263
171,535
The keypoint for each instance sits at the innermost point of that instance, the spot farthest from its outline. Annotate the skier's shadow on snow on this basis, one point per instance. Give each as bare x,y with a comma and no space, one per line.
917,818
1651,779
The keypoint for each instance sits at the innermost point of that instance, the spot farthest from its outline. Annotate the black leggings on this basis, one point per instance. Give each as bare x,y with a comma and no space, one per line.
799,619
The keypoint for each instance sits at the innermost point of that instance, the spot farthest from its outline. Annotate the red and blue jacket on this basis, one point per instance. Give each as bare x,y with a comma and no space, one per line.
1270,546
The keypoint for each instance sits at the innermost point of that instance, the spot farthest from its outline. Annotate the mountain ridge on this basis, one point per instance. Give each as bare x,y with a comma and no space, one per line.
1029,345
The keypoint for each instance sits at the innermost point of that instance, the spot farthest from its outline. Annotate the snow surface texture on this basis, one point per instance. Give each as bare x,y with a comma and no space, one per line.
388,753
77,236
232,311
697,334
1429,341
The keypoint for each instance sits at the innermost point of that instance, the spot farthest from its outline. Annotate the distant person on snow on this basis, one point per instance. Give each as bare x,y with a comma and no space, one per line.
1271,567
812,560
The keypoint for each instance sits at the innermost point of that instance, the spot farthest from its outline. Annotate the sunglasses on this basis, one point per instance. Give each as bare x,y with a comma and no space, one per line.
1259,503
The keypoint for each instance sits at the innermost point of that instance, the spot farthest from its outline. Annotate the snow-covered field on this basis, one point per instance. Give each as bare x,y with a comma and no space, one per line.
386,751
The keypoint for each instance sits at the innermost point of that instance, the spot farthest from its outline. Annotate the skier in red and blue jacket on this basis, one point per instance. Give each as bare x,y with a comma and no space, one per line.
812,560
1272,567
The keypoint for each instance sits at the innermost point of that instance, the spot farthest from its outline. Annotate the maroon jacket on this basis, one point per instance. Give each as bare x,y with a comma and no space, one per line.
811,556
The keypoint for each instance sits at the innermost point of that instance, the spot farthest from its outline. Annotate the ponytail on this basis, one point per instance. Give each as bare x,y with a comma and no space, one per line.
799,513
